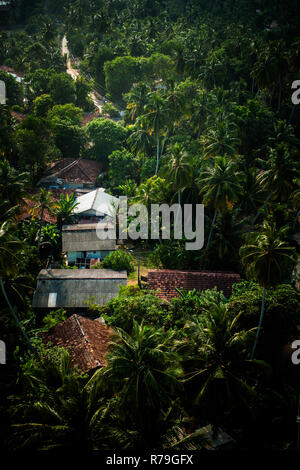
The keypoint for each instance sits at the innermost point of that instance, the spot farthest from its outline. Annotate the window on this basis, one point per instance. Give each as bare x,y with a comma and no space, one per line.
52,299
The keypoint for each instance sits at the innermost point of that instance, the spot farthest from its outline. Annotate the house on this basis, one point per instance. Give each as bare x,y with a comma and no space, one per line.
72,289
87,341
82,244
95,205
68,173
166,281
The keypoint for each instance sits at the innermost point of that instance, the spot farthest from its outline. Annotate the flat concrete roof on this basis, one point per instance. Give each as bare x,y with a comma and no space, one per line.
81,274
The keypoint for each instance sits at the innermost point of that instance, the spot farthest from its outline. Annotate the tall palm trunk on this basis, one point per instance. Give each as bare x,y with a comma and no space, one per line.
258,212
40,229
262,311
157,154
211,229
164,142
14,314
292,113
296,218
279,97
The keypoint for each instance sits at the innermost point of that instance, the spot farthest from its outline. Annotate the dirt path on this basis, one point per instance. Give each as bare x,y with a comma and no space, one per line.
74,73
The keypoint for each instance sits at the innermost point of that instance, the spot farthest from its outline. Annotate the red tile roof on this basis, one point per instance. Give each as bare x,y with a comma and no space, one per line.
7,69
166,280
74,171
86,339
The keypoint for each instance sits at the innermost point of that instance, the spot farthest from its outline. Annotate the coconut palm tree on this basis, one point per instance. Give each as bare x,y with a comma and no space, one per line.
64,210
179,168
59,409
43,202
221,139
13,184
220,184
217,369
155,121
136,100
143,371
266,256
10,250
277,181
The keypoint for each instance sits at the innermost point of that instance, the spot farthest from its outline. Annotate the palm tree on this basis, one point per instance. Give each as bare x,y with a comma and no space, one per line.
179,168
277,180
10,249
42,202
221,184
216,363
64,210
143,371
266,256
140,141
59,409
12,183
221,139
136,100
155,119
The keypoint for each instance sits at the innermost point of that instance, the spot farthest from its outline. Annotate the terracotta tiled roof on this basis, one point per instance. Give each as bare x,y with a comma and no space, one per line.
166,280
86,339
18,116
7,69
74,171
89,118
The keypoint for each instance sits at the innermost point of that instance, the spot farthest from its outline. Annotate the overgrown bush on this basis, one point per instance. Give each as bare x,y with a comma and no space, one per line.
118,260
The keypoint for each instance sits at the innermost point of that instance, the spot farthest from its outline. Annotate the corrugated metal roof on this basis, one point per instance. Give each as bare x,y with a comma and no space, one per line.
81,274
97,201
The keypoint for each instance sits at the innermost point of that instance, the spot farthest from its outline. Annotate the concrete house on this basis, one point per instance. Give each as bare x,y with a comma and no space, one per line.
84,244
71,289
95,205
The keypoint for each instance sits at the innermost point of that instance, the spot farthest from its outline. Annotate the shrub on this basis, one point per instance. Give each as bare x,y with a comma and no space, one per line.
131,304
54,317
118,260
109,109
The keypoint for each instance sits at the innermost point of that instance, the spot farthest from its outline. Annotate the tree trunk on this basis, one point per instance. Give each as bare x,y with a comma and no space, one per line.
292,113
157,154
164,141
295,221
262,310
40,229
211,229
279,97
258,212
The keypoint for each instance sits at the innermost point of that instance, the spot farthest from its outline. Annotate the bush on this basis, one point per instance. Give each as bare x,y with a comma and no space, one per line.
54,317
109,109
118,260
131,304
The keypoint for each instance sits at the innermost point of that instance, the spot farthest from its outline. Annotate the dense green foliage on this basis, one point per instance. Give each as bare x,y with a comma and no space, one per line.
199,99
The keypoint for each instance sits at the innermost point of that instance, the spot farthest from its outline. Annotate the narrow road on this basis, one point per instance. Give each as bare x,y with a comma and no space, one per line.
74,73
